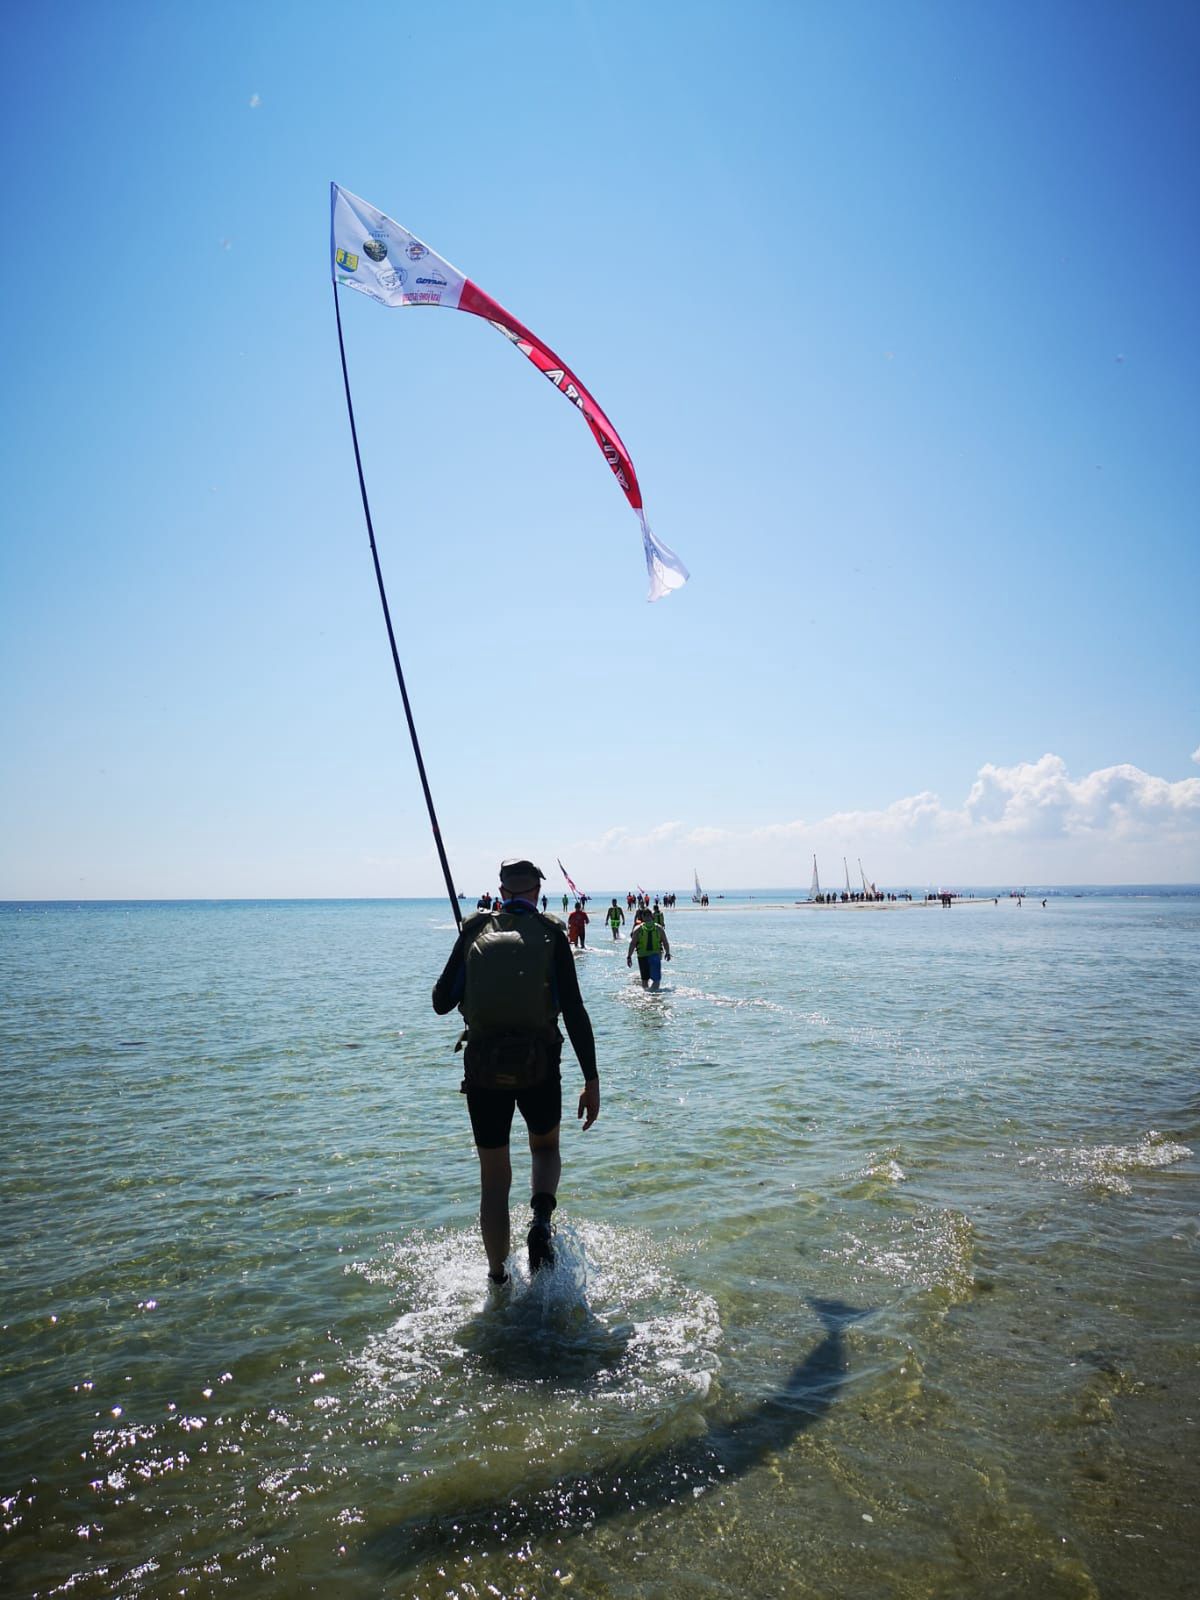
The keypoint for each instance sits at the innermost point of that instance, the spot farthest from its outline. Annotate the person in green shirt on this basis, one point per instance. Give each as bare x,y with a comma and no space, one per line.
650,944
614,916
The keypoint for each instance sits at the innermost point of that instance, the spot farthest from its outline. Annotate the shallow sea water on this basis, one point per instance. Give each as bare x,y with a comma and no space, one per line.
876,1277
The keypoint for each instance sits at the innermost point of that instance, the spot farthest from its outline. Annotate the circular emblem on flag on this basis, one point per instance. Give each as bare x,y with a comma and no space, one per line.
375,248
393,278
414,250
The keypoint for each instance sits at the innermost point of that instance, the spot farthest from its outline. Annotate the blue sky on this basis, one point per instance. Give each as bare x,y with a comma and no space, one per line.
894,307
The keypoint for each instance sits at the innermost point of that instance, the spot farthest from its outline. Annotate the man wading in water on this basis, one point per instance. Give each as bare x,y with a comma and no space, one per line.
650,944
510,973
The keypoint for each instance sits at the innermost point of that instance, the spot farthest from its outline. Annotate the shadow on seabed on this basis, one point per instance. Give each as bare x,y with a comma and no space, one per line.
643,1482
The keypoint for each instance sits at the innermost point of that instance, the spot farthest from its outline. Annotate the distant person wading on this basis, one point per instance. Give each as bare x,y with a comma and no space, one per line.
649,943
577,925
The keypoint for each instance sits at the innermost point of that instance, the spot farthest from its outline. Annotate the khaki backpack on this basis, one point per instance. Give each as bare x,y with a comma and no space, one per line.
508,1000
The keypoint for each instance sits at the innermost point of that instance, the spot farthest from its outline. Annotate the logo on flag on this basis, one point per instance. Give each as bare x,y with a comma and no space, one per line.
375,248
414,250
345,259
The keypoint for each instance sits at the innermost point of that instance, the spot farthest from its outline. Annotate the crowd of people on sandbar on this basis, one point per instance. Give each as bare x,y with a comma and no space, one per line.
851,897
641,900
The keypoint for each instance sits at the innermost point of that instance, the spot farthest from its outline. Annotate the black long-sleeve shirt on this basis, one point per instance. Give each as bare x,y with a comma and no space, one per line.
450,987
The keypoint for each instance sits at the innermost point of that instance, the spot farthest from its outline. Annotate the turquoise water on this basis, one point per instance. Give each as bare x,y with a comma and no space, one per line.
877,1275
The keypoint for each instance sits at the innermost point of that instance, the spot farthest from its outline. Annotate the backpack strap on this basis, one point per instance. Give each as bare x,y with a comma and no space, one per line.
473,926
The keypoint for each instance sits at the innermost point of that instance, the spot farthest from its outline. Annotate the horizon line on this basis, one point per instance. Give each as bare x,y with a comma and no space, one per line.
746,889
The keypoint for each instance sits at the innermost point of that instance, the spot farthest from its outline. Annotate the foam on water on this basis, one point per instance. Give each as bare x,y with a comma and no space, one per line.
878,1177
728,1001
1107,1167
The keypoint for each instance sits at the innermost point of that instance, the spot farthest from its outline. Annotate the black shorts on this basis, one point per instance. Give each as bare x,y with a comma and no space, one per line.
492,1110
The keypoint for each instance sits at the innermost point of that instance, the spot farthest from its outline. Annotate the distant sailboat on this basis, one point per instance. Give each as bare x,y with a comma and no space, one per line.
815,890
846,869
698,893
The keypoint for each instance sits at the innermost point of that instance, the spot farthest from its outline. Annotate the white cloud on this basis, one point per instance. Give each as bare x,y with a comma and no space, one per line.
1041,800
1025,823
706,836
1196,755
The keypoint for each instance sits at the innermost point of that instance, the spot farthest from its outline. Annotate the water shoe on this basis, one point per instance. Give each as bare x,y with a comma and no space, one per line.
541,1245
541,1235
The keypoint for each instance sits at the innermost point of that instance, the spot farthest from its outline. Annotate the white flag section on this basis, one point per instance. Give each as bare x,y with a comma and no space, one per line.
374,254
664,567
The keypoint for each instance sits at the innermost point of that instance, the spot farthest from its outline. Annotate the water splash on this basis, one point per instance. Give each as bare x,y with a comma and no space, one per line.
609,1319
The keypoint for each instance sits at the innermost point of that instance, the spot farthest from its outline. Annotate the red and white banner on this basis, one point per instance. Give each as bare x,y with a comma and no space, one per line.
567,876
375,255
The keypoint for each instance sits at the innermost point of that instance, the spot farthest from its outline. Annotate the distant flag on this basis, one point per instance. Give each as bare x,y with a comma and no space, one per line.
375,255
570,883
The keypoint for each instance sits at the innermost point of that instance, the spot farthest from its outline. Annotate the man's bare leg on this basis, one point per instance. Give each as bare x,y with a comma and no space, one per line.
495,1180
545,1161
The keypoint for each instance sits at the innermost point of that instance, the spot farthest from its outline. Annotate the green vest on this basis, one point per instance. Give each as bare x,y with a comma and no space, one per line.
649,937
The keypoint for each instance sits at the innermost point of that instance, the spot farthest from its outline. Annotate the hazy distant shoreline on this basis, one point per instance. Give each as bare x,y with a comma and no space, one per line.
856,905
777,899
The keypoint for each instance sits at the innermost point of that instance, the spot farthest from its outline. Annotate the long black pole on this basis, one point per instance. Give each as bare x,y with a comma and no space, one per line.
387,617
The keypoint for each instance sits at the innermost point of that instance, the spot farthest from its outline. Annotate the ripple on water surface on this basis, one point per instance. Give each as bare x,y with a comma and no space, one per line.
940,1119
460,1397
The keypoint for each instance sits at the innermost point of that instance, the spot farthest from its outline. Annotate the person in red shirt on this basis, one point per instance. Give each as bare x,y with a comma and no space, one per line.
577,925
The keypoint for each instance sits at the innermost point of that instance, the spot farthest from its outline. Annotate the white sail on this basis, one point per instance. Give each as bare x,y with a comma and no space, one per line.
846,869
696,897
867,889
815,890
